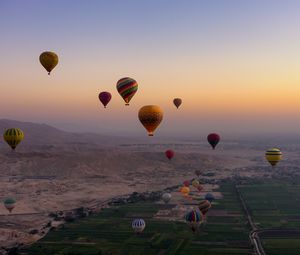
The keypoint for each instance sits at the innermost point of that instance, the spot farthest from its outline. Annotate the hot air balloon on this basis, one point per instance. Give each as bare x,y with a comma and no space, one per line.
138,225
150,116
170,154
9,204
186,183
210,197
185,191
166,197
198,172
195,183
193,219
273,155
200,188
177,102
213,139
49,60
104,98
127,87
204,206
13,137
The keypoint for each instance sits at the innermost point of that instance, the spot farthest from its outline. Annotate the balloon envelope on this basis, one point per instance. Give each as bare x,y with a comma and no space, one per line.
127,87
195,183
166,197
150,116
273,156
204,206
210,197
193,219
9,204
138,225
49,60
200,187
13,136
104,98
177,102
186,183
213,139
170,154
185,191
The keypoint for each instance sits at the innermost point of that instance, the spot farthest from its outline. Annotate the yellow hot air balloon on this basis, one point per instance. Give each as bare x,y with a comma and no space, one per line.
49,60
150,116
195,183
13,137
273,155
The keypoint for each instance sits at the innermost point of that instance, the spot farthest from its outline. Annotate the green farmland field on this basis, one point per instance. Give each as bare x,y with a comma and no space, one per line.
275,205
272,205
110,233
282,246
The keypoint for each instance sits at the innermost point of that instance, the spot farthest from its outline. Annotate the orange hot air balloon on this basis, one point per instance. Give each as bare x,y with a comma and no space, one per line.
185,191
177,102
150,116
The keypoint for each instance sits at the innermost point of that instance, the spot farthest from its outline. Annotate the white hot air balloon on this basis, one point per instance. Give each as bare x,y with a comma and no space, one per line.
166,197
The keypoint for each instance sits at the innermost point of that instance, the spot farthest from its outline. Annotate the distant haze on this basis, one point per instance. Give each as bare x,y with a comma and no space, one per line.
234,63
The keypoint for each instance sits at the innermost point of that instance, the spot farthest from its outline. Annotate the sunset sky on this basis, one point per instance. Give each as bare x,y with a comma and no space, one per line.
235,64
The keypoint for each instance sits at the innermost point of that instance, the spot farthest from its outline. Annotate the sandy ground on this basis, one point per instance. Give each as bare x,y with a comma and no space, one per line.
60,178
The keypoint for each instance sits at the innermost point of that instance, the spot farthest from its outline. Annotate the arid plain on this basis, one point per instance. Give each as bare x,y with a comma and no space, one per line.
61,171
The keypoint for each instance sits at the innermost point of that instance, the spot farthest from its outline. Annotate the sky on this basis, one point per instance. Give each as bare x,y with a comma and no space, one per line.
235,64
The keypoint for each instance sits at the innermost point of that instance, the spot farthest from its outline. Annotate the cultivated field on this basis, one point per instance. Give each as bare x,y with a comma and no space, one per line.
275,209
225,232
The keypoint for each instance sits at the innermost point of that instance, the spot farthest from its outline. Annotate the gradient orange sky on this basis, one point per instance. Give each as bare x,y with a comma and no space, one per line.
235,65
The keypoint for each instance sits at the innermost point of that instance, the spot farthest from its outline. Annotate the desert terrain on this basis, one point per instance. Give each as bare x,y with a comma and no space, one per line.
53,170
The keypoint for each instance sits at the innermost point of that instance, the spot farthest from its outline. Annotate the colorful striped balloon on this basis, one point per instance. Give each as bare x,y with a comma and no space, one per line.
127,87
194,219
204,206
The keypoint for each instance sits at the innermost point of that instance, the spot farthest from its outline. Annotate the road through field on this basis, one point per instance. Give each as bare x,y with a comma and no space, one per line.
254,237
